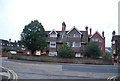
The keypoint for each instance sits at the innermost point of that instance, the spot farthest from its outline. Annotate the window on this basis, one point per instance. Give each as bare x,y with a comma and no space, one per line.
3,44
70,44
64,36
73,35
100,40
53,35
11,44
95,39
100,47
70,35
76,35
18,45
113,42
53,44
113,51
76,44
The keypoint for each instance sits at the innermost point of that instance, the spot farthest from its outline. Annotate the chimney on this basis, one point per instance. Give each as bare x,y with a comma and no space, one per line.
90,32
9,40
63,27
103,33
113,33
86,28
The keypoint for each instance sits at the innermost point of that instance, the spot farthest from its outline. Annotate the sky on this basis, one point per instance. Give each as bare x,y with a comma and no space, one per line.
100,15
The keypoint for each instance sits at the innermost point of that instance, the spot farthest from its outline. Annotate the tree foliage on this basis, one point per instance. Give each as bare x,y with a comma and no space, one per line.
33,36
65,51
92,50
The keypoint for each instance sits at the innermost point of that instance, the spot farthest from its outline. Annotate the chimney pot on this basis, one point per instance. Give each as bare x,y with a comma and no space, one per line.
9,40
103,33
86,28
113,33
90,32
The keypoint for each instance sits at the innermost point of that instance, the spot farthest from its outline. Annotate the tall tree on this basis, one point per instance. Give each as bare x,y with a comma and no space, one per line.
33,36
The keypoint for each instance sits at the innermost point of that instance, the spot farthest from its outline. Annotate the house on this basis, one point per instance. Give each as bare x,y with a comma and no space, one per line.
97,37
115,45
75,38
9,45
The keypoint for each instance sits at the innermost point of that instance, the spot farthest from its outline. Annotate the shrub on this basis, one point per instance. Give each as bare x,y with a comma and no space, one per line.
65,51
107,56
92,50
5,49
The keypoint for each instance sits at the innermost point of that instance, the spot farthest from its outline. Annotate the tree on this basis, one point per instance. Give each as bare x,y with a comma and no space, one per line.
65,51
92,50
33,36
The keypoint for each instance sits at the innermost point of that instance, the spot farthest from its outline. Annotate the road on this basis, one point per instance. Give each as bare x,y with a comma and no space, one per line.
44,70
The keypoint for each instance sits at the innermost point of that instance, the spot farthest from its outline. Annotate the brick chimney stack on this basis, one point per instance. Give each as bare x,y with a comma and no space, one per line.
86,28
103,33
90,32
63,27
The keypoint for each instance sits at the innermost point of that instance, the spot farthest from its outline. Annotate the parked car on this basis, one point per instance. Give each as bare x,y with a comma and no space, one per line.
13,52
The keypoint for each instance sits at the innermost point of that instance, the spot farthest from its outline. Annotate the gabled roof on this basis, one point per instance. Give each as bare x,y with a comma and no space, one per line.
98,34
53,31
75,29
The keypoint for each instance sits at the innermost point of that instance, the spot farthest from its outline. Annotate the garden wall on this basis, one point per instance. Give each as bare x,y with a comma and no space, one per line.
4,54
59,60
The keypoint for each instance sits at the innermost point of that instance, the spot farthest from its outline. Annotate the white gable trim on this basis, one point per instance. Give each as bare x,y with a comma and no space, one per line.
72,29
98,33
53,31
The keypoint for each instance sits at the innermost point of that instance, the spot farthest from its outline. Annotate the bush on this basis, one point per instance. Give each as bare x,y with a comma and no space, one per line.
5,49
107,56
65,51
92,50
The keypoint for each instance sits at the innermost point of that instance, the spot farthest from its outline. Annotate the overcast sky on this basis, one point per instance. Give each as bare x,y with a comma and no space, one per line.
100,15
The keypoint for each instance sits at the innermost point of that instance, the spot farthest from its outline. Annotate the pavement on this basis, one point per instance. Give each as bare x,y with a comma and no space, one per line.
4,74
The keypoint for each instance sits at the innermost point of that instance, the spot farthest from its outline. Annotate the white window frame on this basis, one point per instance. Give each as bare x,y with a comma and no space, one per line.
75,45
100,40
114,52
100,47
95,39
68,43
12,45
113,42
52,45
53,35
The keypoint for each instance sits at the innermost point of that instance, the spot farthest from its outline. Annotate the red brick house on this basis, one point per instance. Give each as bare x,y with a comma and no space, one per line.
75,38
97,37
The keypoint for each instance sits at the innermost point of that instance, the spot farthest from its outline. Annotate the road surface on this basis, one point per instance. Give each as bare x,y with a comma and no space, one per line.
44,70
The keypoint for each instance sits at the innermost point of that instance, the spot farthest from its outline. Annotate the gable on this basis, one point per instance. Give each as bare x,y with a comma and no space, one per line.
53,32
96,35
74,30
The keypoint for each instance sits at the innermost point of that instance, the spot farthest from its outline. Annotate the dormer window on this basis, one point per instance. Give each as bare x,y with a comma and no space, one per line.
53,35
